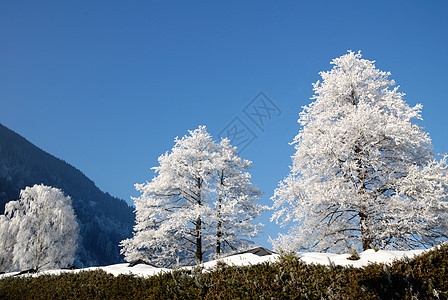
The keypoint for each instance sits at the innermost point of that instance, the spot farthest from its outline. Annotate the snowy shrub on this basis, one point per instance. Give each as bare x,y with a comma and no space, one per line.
423,277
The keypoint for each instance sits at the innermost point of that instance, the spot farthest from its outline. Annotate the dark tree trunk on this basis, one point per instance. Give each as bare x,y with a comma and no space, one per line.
199,226
366,238
198,240
219,223
218,239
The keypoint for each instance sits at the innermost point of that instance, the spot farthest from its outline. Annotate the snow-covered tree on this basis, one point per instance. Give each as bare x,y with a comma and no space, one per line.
45,226
7,241
170,212
363,173
235,207
181,211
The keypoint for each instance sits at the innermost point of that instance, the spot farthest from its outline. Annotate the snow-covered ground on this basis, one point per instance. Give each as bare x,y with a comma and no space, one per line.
366,257
117,269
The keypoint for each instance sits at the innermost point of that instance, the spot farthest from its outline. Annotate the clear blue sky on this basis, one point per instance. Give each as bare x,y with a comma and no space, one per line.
107,85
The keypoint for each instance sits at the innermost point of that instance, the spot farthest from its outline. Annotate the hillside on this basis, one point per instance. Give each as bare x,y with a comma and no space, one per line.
104,220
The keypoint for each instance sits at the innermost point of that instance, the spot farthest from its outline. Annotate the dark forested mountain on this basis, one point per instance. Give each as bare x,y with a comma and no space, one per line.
104,220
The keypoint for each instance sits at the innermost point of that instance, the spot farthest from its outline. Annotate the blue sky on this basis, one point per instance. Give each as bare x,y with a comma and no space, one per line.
107,85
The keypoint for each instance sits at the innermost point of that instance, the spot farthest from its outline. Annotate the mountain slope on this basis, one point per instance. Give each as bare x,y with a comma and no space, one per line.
104,220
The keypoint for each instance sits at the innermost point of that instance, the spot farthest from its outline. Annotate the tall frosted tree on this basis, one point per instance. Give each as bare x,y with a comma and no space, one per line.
45,227
178,212
364,173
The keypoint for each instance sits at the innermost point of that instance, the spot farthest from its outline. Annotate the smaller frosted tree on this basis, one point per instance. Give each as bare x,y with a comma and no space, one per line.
200,200
46,228
7,241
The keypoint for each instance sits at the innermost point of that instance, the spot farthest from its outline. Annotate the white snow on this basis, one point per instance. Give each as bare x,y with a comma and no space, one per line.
366,257
117,269
244,259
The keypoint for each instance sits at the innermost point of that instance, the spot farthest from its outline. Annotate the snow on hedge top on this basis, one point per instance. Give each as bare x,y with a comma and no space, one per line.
367,257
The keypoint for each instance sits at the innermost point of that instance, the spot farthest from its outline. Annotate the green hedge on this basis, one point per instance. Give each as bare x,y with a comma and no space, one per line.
424,277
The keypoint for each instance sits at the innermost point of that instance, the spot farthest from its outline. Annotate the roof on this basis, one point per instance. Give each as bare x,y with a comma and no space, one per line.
260,251
139,262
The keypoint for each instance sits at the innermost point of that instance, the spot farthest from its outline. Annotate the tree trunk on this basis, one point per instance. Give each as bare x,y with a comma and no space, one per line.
199,226
366,238
219,223
218,240
198,240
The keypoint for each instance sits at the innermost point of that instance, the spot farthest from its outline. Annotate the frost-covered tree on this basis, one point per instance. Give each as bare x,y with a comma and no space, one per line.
170,212
185,210
363,173
45,226
235,207
7,241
